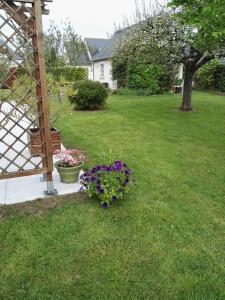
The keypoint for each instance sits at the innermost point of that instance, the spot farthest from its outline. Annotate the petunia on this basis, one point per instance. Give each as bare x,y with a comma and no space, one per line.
105,205
114,198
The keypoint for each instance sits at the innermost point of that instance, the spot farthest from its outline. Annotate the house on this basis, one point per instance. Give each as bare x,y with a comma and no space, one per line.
100,56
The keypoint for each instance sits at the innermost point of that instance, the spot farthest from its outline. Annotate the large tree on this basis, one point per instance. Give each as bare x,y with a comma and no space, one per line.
203,37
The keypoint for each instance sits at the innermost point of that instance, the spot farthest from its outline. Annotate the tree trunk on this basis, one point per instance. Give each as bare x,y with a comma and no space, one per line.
187,89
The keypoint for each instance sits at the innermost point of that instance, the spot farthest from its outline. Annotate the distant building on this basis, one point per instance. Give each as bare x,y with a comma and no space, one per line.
100,53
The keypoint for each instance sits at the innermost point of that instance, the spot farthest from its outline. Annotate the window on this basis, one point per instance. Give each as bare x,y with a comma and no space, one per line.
102,71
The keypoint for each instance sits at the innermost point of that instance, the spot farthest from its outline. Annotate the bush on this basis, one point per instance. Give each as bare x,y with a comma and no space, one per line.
211,76
70,74
90,95
134,92
145,77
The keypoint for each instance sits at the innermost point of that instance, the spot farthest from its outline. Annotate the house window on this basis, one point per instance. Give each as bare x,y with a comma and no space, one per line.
102,71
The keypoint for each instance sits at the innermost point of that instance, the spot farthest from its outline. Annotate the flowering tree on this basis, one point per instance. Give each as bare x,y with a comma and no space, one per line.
149,46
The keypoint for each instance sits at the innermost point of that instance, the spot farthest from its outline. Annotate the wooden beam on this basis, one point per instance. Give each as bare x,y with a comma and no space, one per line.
31,1
22,173
19,17
27,10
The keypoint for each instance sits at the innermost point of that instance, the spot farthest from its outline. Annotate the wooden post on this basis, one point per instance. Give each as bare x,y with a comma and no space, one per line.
42,95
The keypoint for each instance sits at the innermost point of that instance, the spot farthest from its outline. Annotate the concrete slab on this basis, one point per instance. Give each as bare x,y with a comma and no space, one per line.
23,189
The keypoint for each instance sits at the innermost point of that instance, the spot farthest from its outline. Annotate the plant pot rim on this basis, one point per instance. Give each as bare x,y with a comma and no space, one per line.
37,129
67,168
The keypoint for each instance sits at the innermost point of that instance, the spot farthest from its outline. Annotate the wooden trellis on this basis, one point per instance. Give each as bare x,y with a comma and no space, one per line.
22,78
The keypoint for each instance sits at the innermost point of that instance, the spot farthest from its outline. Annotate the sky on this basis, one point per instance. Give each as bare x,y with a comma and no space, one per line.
91,18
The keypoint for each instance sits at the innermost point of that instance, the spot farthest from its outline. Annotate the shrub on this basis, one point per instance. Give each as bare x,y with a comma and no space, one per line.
134,92
211,76
145,77
107,182
90,95
70,74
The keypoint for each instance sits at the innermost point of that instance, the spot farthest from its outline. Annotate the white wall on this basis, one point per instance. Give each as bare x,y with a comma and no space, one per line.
95,73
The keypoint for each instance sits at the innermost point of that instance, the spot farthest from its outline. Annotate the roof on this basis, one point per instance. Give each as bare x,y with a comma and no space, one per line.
101,49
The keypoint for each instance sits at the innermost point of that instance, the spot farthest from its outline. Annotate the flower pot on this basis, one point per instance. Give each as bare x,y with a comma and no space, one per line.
68,174
34,140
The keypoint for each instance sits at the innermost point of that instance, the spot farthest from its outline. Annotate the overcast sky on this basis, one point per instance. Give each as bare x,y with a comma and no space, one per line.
91,18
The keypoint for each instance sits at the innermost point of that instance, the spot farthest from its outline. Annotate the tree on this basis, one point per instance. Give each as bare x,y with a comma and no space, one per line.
62,46
147,54
202,37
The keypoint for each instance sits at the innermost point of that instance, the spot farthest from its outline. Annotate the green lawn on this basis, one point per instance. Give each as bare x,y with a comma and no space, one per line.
166,240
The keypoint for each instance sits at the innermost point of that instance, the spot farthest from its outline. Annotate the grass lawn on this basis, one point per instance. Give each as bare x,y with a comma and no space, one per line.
166,240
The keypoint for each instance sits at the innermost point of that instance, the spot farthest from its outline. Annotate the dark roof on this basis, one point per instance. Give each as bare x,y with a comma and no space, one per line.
101,49
96,45
83,59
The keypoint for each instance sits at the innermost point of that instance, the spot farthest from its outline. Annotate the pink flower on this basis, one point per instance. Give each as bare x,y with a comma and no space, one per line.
70,157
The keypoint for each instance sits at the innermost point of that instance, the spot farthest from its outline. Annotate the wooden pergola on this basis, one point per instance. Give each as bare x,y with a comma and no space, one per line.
21,45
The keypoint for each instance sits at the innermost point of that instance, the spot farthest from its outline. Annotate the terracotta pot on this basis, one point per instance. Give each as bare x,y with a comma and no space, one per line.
34,140
68,175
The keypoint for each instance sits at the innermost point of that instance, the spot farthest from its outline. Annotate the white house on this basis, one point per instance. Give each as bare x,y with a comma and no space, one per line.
100,56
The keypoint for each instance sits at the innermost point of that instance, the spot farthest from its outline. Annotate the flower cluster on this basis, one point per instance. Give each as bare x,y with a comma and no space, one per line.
69,157
108,181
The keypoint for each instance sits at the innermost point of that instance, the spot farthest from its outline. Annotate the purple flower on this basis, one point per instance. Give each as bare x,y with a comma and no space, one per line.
99,187
107,168
98,167
101,191
93,170
119,162
120,190
114,198
86,179
93,178
127,172
105,205
98,182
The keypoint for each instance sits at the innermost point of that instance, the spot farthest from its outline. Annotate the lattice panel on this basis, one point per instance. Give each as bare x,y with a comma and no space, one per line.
23,91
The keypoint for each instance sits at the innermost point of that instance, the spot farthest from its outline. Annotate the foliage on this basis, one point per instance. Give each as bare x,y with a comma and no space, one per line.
62,46
70,74
211,76
134,92
148,77
26,97
208,16
90,95
107,182
69,157
146,57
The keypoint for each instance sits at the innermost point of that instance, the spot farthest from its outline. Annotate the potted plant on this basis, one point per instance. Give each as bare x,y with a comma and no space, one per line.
69,165
107,182
58,105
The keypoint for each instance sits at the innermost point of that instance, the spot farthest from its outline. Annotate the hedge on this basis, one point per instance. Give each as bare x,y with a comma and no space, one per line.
70,74
211,76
